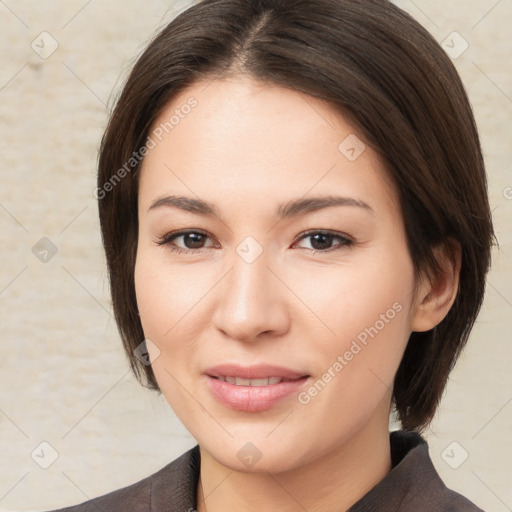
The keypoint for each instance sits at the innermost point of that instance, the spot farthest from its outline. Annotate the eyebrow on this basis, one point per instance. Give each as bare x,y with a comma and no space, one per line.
290,209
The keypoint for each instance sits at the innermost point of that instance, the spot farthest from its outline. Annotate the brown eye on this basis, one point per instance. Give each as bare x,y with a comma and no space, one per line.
321,241
192,240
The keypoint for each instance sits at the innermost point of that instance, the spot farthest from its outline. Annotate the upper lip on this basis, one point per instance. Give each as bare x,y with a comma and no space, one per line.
260,371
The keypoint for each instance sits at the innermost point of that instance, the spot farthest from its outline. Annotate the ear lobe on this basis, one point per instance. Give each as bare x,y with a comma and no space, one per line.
434,299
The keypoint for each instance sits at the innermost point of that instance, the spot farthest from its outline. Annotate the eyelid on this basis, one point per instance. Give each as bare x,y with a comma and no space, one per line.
169,237
327,232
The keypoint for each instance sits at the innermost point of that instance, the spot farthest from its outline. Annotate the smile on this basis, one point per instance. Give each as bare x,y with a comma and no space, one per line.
253,395
239,381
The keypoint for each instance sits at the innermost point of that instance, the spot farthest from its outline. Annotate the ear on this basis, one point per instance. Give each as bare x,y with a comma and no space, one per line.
435,298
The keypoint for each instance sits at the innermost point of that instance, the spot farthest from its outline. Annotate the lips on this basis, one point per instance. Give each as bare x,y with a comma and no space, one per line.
253,388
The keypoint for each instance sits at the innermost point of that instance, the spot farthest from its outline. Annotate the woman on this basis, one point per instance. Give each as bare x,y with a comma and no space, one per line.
294,210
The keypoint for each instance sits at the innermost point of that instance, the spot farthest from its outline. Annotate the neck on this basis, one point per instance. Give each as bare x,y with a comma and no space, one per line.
333,482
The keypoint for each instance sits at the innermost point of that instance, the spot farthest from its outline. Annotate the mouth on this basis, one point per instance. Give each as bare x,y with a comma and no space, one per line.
253,388
254,373
239,381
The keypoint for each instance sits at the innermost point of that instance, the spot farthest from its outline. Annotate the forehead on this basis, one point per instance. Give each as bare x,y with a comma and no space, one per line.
259,140
261,109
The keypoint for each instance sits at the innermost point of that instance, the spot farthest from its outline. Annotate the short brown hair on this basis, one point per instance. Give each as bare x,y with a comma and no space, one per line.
375,64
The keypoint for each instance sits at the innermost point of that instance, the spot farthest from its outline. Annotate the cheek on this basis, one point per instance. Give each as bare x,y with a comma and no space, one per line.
167,298
351,301
363,328
166,307
172,301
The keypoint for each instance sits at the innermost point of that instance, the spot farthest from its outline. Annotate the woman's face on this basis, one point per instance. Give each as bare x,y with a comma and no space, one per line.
269,281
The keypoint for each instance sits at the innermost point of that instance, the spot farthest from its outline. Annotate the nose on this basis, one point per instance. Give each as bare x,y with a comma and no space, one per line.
252,301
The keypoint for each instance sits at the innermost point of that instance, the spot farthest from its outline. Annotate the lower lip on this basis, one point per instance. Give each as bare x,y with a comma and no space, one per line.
253,398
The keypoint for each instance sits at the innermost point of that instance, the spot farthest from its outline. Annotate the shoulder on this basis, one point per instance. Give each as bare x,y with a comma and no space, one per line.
134,498
446,500
172,486
439,498
430,492
454,502
413,484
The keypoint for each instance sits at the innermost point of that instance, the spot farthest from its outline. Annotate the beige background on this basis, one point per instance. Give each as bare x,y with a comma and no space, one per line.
64,378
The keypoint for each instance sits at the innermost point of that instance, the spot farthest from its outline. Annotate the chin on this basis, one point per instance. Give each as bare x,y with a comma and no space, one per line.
258,456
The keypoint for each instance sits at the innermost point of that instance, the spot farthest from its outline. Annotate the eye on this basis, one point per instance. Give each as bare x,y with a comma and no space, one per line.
193,240
321,240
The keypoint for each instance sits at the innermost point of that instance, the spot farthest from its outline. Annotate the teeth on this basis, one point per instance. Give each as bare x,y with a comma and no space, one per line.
251,382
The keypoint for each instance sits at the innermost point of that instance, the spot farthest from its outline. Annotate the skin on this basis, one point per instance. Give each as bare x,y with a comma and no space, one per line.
248,147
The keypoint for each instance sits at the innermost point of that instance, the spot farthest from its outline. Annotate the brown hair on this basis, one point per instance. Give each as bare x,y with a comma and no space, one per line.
372,62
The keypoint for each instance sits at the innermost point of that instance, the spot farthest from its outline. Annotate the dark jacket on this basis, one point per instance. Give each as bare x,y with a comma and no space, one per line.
413,485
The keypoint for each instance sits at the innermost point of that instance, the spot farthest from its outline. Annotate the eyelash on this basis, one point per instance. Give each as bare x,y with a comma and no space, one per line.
346,241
